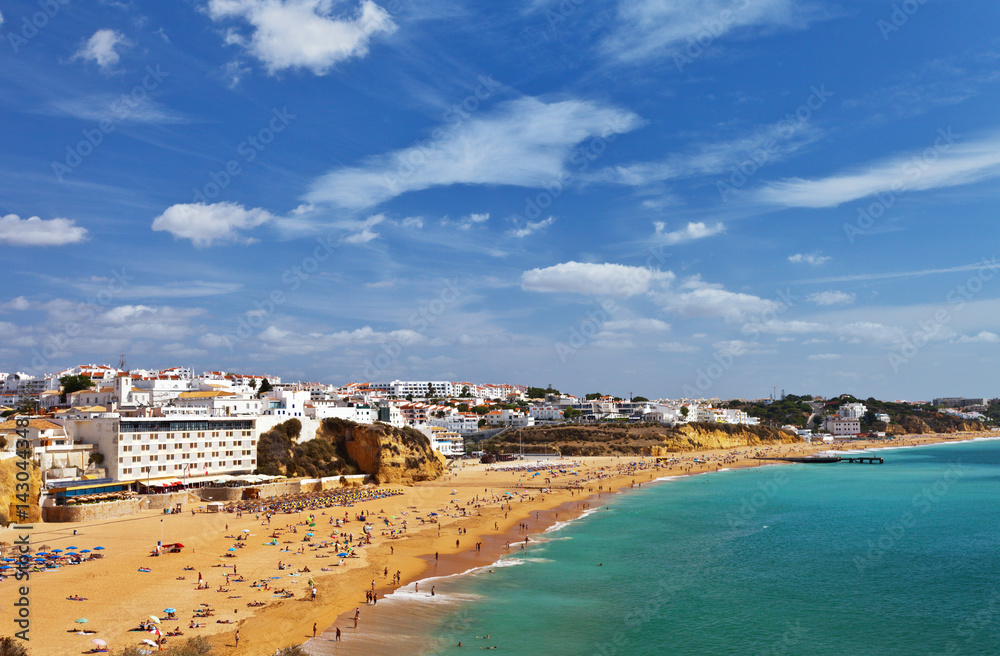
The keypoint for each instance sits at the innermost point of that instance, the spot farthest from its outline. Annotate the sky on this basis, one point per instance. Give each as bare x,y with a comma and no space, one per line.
699,198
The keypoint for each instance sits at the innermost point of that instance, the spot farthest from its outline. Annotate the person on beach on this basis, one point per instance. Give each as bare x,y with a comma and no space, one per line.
338,631
237,637
314,629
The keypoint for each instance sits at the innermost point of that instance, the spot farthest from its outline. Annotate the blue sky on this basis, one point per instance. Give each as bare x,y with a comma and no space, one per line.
704,198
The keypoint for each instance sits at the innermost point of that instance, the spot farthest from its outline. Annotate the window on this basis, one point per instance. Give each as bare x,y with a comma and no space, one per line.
154,458
144,447
215,454
121,460
127,470
161,468
161,447
170,436
170,456
135,458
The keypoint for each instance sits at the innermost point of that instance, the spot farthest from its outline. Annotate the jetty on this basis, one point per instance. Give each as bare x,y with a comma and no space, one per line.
813,460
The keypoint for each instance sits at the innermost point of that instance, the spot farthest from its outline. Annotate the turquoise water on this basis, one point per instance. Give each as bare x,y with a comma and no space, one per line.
900,558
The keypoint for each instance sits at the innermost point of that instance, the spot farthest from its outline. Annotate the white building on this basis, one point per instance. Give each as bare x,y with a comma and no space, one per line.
853,410
284,403
546,413
462,423
447,443
841,426
883,417
139,448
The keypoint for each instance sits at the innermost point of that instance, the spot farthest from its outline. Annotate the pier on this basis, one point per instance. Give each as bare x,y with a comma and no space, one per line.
813,460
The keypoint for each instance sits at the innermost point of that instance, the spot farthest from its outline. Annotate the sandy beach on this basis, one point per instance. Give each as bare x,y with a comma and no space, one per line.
474,503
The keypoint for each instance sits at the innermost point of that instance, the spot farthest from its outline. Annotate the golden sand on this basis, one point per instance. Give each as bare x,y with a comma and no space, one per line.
118,595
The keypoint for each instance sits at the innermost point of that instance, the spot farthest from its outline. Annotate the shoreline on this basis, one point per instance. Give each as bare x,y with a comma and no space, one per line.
341,590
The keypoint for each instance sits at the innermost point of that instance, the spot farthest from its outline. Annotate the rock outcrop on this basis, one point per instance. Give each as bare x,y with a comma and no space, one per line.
390,455
638,439
8,492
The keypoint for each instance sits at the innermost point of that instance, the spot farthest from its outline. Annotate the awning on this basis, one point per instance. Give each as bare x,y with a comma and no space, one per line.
163,482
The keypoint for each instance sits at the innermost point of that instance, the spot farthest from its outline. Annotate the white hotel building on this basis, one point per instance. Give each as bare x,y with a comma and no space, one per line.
141,448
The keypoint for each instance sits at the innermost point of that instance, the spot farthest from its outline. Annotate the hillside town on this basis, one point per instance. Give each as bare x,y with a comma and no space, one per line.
101,429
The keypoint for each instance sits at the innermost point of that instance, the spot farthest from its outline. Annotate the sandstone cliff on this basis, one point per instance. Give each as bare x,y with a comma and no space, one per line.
390,455
916,426
637,439
8,493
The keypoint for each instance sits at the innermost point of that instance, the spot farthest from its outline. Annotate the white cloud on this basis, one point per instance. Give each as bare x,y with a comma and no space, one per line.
205,224
596,279
302,33
643,325
20,304
531,227
711,300
942,164
288,342
524,142
690,232
676,347
824,356
100,48
1,19
413,222
34,231
813,259
831,298
984,337
653,28
365,233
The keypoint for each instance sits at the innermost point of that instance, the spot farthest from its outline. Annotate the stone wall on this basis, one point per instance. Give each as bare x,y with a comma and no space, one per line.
161,501
93,511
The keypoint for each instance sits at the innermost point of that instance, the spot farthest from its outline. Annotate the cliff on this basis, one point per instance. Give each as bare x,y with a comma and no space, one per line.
637,439
390,455
917,426
8,493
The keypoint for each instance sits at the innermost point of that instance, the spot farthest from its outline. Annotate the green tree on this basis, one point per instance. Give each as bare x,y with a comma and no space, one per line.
72,384
465,391
685,411
265,387
571,413
463,407
593,395
96,458
640,399
253,383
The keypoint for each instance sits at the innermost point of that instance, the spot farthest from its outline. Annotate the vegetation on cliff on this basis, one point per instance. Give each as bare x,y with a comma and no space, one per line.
906,418
280,453
8,493
612,439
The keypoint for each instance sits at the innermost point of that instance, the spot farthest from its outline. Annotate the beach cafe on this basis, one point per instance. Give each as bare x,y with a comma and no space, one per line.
102,489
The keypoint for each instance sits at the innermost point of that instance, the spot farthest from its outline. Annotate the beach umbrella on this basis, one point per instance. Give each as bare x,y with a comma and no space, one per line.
98,548
99,642
82,620
342,554
155,632
85,551
231,549
57,551
71,547
155,618
149,642
246,530
169,610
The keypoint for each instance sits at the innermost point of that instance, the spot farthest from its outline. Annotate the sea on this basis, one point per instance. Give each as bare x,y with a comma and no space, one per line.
817,559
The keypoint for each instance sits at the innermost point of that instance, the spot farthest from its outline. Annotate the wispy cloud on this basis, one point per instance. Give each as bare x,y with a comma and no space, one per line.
302,33
692,231
34,231
531,227
831,298
768,144
98,108
944,164
812,259
524,142
647,29
991,265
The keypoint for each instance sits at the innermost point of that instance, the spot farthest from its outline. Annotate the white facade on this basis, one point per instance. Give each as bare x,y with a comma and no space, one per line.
853,410
462,423
447,443
883,417
841,426
137,448
546,413
284,403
